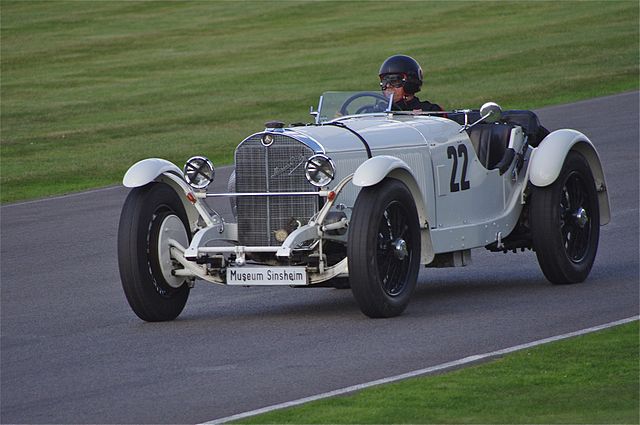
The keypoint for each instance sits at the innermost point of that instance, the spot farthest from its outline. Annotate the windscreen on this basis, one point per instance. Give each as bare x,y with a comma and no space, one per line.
336,104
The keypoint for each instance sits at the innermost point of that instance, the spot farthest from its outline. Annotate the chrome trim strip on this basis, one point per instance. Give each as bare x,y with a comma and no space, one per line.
391,114
346,117
267,180
235,249
310,142
319,109
323,193
303,138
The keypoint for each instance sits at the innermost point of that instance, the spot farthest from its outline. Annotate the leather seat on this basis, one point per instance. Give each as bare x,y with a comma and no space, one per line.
528,120
490,142
530,124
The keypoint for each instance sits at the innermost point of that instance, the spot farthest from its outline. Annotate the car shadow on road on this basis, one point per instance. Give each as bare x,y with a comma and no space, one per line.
430,297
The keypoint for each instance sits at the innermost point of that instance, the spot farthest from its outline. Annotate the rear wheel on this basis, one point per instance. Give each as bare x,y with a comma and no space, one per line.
152,215
565,222
384,249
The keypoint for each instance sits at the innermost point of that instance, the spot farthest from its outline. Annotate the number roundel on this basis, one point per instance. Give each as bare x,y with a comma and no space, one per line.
460,153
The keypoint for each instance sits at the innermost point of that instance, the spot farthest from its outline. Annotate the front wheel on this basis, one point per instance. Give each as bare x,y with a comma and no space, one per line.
565,222
384,249
151,216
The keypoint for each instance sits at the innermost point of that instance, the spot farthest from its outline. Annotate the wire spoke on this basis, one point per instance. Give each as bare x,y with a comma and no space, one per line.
572,205
391,229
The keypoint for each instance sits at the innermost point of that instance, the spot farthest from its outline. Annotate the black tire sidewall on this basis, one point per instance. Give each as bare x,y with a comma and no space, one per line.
548,241
364,278
148,294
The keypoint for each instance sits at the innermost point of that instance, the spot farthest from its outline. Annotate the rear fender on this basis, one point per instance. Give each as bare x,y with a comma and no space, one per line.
376,169
547,160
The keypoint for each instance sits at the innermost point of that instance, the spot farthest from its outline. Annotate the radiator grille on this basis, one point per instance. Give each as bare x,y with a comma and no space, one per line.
277,168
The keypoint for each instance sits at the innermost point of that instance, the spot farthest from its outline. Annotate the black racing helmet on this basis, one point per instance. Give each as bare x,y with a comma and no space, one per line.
407,68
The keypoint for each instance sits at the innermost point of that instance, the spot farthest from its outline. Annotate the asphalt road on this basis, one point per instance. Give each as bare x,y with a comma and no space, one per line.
73,352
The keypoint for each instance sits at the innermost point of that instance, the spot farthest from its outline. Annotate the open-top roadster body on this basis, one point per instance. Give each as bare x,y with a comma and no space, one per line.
363,197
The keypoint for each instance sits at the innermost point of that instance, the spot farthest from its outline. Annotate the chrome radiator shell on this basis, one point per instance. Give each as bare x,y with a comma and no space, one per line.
278,167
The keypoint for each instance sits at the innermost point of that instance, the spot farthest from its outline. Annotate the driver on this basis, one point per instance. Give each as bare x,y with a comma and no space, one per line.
401,77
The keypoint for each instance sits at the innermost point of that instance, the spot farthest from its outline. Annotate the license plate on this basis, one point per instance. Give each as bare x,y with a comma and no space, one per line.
266,276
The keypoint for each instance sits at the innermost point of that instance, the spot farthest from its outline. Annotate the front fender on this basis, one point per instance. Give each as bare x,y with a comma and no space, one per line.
376,169
160,170
372,171
548,158
148,170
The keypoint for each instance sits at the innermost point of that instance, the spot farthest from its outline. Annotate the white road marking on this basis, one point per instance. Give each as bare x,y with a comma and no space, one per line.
419,372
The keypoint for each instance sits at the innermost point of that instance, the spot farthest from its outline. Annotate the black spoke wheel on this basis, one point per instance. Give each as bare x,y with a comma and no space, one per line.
565,222
143,253
384,248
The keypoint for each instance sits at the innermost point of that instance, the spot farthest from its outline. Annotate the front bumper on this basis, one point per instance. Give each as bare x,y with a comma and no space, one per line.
215,254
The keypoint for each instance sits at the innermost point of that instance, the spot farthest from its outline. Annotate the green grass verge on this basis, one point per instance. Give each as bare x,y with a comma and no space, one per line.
88,88
590,379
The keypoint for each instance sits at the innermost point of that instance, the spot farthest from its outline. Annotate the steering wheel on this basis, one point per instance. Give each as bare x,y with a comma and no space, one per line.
380,102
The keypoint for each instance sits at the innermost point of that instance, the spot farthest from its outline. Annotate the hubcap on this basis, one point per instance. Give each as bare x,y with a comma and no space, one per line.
171,228
581,217
400,249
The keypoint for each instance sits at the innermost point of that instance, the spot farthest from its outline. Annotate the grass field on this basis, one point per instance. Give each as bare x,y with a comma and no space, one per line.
88,88
592,379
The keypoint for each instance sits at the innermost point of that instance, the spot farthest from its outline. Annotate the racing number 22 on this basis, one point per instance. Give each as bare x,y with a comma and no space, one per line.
462,153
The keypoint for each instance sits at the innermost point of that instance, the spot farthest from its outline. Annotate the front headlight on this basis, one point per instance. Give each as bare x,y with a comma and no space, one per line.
199,172
320,170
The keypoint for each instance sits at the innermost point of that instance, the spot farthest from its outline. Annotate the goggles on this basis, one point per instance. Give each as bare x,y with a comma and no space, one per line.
393,80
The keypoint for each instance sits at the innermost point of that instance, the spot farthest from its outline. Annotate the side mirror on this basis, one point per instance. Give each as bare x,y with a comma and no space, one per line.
491,112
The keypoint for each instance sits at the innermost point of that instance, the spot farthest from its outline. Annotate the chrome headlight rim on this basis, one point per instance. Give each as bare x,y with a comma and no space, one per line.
320,170
199,172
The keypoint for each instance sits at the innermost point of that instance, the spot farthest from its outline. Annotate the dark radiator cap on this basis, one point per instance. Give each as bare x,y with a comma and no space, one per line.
274,124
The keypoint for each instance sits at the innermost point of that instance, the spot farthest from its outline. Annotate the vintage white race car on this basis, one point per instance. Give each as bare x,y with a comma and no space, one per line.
363,197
